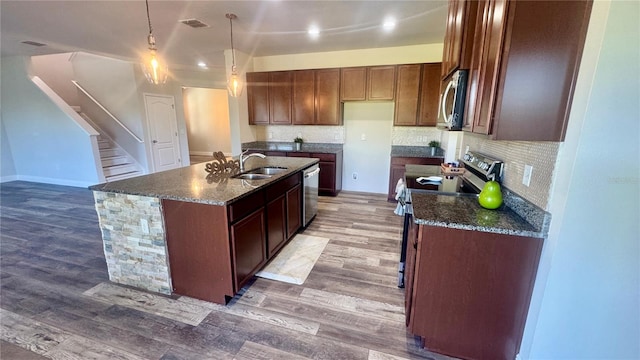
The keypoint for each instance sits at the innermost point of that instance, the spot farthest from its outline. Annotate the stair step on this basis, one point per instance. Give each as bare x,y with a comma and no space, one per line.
123,176
118,169
104,144
114,160
110,152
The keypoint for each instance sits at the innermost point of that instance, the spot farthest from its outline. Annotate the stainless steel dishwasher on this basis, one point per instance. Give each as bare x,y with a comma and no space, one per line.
310,182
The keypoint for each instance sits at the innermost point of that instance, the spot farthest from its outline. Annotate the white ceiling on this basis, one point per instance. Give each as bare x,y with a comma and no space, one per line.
269,27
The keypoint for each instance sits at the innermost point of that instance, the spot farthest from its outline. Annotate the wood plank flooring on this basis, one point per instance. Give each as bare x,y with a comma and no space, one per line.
56,301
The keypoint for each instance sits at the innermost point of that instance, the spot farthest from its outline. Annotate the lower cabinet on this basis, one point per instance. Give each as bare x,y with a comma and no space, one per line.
248,242
468,291
397,170
214,250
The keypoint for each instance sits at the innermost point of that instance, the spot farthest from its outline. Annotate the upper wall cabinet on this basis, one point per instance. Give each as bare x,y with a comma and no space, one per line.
258,98
524,67
417,93
459,36
316,97
368,83
269,97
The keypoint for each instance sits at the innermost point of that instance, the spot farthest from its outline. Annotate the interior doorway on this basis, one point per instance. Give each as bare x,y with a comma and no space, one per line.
367,146
163,131
206,113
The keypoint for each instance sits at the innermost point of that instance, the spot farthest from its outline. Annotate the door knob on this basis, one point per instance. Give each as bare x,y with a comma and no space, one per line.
154,141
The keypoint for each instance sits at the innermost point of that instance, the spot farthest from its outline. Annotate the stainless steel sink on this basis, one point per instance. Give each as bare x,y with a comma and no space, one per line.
267,170
252,176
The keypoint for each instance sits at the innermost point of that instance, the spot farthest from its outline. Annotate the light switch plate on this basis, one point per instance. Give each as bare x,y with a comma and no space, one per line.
526,178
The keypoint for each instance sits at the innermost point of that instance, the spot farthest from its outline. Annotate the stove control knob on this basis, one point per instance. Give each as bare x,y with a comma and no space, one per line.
481,165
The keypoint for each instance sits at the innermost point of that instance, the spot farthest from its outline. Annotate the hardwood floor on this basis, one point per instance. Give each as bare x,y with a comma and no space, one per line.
56,301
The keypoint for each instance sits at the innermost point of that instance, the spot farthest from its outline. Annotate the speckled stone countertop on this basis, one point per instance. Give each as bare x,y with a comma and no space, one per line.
192,185
464,212
415,151
290,147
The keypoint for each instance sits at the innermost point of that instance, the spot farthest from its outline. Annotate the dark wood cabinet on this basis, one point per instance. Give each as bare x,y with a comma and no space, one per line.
429,94
258,98
248,240
417,94
330,177
316,97
407,95
328,109
459,36
409,270
277,224
470,291
397,170
294,210
524,67
280,97
368,83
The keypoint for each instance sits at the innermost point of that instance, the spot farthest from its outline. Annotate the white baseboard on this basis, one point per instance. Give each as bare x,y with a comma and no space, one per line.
45,180
8,178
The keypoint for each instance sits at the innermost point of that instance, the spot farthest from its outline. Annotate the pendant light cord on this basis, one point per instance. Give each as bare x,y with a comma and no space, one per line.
149,17
233,52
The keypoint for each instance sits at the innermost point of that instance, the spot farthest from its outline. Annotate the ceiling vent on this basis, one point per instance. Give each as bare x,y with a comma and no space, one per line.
194,23
33,43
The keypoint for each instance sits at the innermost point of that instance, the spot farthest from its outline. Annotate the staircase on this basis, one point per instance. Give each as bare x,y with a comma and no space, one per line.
116,164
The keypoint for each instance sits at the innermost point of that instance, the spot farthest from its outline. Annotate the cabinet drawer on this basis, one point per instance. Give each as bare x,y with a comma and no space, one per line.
244,206
282,186
298,154
324,157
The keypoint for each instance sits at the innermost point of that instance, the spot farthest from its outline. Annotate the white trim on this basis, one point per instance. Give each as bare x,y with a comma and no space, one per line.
8,178
58,101
45,180
152,163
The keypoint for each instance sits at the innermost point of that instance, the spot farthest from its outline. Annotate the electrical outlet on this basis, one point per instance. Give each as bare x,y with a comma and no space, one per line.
354,176
144,225
526,178
270,135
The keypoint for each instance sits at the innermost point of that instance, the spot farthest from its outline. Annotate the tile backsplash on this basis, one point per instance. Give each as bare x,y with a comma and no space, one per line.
401,135
516,154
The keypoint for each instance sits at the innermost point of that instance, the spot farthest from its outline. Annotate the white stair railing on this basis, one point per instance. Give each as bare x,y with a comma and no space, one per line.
106,111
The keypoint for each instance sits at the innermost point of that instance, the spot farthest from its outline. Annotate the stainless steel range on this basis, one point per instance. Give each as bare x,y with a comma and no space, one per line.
478,170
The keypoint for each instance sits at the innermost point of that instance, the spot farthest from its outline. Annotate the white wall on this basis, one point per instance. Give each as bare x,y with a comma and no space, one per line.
586,302
207,118
7,167
56,71
46,145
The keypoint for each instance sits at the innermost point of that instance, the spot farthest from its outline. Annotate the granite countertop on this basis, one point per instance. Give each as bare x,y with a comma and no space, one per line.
415,151
462,211
191,184
324,148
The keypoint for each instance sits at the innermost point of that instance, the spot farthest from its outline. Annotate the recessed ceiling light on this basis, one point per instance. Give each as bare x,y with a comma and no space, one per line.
202,65
389,24
313,31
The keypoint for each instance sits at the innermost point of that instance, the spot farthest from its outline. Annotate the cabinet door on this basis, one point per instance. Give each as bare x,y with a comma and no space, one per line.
452,37
429,95
327,177
294,210
303,97
276,225
353,84
328,106
381,82
248,241
258,98
407,95
280,97
471,291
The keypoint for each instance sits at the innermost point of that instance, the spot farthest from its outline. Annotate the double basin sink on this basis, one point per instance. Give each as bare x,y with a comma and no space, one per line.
260,173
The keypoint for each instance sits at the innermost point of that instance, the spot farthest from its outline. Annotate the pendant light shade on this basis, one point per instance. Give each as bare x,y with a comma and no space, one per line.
234,83
154,69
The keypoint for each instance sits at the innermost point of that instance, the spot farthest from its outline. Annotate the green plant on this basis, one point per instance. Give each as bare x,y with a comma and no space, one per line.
434,143
298,140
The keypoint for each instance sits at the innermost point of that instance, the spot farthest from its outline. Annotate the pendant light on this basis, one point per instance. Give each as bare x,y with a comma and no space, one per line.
234,84
154,70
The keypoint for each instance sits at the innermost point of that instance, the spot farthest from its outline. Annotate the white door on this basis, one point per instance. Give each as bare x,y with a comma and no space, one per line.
163,130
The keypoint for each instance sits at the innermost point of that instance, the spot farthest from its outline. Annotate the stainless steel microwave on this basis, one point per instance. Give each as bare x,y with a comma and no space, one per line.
452,101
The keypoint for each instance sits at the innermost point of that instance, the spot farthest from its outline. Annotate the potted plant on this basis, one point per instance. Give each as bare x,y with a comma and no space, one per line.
298,141
434,145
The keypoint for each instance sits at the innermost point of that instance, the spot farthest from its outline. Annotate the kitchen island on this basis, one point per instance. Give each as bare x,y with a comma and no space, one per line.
189,232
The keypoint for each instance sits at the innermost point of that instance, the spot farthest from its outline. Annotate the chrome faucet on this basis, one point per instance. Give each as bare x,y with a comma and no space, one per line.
244,158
